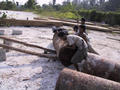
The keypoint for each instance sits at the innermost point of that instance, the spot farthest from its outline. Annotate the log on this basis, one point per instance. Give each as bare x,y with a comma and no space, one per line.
73,80
94,65
89,25
113,38
26,44
29,52
43,23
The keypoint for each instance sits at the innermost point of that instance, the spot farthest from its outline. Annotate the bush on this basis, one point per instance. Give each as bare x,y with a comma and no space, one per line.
111,18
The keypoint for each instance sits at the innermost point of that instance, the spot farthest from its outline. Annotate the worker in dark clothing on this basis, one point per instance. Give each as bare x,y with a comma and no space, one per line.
83,23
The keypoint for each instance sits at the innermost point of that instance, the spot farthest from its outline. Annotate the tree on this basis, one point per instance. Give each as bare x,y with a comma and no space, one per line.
54,2
30,4
7,5
112,5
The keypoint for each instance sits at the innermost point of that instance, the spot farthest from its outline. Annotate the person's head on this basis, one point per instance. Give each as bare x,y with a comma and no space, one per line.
82,28
60,29
82,20
54,29
62,35
75,28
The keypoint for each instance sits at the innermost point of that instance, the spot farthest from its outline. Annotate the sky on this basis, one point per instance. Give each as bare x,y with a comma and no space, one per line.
38,1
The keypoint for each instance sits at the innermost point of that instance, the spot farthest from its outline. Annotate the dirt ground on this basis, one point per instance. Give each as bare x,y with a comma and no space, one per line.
26,72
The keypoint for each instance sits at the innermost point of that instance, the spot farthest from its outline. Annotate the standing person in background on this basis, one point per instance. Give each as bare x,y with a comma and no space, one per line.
83,23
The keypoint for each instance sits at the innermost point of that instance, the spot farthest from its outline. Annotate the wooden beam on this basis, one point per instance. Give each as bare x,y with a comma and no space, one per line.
29,52
26,44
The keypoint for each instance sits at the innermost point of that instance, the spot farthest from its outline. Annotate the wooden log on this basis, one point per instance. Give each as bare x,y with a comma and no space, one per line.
29,52
14,22
26,44
94,65
113,38
73,80
89,25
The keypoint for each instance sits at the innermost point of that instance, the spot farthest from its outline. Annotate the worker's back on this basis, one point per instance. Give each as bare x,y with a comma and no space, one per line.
76,40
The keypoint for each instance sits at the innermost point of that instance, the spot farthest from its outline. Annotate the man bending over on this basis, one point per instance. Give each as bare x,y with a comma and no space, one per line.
75,41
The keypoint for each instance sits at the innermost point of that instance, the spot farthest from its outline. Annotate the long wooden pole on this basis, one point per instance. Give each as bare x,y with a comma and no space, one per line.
73,80
26,44
29,52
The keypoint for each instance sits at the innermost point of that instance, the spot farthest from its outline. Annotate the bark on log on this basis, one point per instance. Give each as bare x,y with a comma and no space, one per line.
26,44
73,80
95,65
29,52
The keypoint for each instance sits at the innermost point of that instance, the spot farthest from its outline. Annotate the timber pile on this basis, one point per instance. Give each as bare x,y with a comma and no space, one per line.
47,23
14,22
72,21
95,65
73,80
90,26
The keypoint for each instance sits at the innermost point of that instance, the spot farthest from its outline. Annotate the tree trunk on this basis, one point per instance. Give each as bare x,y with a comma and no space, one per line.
73,80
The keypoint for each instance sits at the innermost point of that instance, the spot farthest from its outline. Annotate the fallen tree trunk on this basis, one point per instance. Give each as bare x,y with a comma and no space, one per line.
26,44
73,80
29,52
95,65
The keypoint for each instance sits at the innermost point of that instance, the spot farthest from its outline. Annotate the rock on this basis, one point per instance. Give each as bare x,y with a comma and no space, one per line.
2,55
2,32
16,32
9,43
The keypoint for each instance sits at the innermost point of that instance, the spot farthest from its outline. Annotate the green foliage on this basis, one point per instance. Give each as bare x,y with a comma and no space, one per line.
4,16
112,18
7,5
31,4
67,7
66,15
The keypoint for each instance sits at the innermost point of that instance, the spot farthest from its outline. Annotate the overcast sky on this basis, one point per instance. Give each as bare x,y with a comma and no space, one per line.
38,1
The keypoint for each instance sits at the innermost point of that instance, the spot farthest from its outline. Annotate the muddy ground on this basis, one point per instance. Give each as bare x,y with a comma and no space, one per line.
26,72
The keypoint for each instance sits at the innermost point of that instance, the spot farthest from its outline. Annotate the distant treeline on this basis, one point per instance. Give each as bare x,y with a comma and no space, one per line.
107,11
112,18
